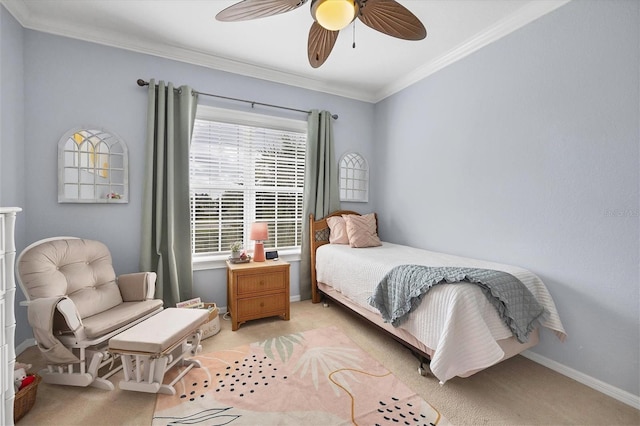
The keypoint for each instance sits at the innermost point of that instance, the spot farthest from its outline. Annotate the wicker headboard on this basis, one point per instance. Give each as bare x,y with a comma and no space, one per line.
319,235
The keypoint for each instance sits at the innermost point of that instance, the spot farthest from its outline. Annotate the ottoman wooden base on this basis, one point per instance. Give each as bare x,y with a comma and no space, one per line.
151,348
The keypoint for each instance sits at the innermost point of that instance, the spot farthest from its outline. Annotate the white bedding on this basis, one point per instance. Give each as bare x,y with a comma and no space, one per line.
456,321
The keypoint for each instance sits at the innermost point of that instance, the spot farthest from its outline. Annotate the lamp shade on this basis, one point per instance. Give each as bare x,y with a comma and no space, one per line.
259,231
333,15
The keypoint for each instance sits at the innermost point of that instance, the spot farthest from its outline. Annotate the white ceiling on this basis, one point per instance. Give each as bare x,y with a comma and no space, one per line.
274,48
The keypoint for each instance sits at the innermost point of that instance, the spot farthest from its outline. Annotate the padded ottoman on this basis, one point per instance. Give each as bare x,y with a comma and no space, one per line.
150,348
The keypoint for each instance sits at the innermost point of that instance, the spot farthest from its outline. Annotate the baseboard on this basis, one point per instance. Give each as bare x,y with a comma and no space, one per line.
607,389
25,345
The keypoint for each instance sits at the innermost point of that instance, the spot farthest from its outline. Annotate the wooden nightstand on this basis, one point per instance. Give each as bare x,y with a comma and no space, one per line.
257,290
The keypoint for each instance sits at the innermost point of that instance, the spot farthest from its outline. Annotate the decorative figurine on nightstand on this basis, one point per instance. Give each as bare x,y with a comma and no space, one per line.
237,255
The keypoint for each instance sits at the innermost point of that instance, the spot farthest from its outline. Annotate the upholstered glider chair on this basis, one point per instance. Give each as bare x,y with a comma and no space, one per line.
76,304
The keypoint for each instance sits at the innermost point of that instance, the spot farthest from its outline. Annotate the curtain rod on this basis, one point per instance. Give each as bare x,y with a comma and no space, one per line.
142,83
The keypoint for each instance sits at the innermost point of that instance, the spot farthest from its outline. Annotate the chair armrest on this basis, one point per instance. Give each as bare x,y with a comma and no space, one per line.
71,316
137,286
41,314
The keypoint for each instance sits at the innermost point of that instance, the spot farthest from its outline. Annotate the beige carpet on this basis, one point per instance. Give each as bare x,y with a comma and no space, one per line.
514,392
318,377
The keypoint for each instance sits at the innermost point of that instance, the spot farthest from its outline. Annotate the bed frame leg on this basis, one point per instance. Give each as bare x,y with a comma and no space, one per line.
422,370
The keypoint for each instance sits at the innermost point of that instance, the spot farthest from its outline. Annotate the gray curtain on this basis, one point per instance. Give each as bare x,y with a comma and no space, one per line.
166,236
320,186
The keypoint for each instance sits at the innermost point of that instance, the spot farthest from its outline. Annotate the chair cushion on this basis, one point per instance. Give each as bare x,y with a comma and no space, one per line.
119,316
80,269
157,334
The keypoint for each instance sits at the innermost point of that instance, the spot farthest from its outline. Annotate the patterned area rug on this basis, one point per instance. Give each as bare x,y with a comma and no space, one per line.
319,377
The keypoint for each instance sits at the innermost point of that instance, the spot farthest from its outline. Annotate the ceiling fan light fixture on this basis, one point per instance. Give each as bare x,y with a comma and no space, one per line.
334,15
330,16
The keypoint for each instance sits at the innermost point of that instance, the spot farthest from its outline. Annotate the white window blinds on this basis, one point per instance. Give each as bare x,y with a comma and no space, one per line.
245,169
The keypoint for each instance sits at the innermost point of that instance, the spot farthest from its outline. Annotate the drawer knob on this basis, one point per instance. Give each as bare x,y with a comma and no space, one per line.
261,282
262,304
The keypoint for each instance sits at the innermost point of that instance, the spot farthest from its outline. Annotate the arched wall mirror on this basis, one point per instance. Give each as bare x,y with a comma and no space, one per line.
354,178
93,167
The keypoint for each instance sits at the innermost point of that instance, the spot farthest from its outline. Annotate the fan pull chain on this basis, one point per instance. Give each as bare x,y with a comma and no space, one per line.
354,34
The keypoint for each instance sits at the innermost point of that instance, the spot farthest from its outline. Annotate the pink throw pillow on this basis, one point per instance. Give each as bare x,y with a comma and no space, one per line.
338,230
362,230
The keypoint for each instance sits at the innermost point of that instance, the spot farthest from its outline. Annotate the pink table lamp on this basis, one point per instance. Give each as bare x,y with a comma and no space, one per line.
260,234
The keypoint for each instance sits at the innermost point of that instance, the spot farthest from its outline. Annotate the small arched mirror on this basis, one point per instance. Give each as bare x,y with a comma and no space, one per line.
93,167
354,178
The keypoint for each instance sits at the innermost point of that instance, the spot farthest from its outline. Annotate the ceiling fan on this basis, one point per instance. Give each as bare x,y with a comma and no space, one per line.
330,16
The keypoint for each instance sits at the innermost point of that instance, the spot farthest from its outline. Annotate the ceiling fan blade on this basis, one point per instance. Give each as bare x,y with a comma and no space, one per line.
320,44
254,9
391,18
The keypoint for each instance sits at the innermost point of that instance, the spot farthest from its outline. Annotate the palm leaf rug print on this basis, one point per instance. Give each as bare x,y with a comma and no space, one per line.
283,345
328,359
316,377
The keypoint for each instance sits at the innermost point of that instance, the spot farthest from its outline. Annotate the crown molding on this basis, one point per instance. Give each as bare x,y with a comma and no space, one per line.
21,13
18,9
522,17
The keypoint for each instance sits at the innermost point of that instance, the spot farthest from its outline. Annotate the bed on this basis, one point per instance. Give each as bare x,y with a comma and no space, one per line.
454,328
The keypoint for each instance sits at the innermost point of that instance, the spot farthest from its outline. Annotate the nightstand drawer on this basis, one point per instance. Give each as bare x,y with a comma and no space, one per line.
259,306
261,282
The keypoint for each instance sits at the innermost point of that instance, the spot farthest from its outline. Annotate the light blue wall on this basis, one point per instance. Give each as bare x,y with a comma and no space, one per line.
12,152
526,152
11,112
69,83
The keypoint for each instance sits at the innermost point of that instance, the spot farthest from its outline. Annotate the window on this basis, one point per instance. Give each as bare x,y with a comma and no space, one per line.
354,178
245,168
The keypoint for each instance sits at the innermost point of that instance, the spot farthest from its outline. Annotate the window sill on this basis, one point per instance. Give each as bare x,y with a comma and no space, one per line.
202,263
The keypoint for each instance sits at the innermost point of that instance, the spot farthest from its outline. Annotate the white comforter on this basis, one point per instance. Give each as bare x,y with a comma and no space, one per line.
456,321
